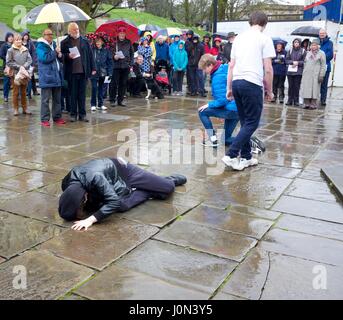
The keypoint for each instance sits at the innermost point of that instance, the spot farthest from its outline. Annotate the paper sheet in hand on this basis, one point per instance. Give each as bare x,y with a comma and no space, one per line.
76,51
292,68
107,79
120,55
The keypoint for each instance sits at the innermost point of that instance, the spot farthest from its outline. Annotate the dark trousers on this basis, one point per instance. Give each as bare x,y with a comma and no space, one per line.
249,99
97,91
196,80
324,87
294,83
178,81
56,103
231,120
279,87
65,99
78,95
118,84
147,185
137,86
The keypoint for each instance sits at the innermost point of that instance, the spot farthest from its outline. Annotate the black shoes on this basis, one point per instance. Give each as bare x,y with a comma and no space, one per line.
73,119
83,119
323,104
121,104
257,145
178,179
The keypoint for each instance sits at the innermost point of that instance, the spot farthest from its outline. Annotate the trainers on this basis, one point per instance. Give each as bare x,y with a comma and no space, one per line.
45,123
212,142
93,108
234,163
257,145
102,108
60,121
248,163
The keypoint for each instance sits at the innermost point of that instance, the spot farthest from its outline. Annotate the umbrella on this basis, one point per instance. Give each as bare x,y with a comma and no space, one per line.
111,28
306,31
148,27
279,40
168,32
55,12
220,35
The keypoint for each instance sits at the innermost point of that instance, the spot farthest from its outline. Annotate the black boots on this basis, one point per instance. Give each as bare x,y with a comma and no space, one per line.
178,179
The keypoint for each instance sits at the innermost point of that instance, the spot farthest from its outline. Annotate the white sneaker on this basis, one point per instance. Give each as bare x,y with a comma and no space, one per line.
103,108
212,142
234,163
249,163
93,108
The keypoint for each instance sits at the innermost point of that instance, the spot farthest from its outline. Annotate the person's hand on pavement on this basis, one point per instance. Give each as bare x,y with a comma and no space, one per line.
86,223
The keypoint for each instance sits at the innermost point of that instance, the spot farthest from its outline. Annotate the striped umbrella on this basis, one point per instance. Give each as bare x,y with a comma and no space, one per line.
168,32
148,27
55,12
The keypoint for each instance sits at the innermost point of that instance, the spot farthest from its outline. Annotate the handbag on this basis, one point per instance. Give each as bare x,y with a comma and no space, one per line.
8,72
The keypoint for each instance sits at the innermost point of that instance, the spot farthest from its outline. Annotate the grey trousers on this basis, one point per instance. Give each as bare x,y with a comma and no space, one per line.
56,103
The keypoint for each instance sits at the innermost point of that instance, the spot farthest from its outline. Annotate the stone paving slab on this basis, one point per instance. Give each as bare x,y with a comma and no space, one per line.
214,241
313,175
332,212
98,247
312,190
156,213
311,226
255,212
265,275
116,283
6,194
7,172
18,233
36,205
305,246
334,176
228,221
180,266
2,260
48,277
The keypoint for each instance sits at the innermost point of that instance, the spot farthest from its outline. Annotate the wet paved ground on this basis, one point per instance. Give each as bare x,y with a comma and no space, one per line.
271,232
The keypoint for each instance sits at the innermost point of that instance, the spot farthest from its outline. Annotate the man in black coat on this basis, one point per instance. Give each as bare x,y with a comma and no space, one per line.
123,60
77,70
108,185
195,51
228,47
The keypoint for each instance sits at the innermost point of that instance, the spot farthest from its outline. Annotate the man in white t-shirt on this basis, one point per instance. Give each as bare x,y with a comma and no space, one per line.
249,79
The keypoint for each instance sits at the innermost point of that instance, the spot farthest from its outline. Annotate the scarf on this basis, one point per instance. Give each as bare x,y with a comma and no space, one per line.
21,49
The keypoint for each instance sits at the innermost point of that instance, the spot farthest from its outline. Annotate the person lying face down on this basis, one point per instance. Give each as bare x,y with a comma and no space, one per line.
104,186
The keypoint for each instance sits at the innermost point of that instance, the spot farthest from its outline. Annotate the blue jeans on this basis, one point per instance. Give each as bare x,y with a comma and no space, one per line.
231,120
249,100
97,91
324,87
7,86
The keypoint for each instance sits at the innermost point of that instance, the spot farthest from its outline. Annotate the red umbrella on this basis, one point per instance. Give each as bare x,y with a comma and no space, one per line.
112,29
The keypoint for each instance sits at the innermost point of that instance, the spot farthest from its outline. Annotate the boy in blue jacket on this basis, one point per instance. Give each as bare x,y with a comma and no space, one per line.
220,107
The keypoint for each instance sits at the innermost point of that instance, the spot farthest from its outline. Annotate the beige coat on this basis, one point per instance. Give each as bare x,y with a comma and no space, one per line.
314,70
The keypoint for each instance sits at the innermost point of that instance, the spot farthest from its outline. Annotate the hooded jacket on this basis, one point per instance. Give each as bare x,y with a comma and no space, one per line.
219,89
279,62
4,48
50,69
172,48
326,45
195,51
296,54
103,62
104,181
146,52
180,58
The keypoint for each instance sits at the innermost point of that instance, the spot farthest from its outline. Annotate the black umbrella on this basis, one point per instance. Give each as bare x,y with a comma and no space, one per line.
306,31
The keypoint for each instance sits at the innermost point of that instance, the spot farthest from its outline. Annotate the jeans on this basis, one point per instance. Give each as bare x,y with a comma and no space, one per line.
249,99
294,83
118,84
56,103
324,87
97,90
78,95
178,80
7,86
231,120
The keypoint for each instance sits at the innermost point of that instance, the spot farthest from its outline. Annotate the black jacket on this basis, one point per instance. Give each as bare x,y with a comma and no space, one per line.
195,52
104,181
137,70
86,56
227,52
127,49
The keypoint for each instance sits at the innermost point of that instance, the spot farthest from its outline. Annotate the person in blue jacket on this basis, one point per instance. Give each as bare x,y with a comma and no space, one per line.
326,45
3,52
50,72
220,107
162,50
280,72
172,48
180,61
104,66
